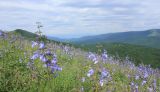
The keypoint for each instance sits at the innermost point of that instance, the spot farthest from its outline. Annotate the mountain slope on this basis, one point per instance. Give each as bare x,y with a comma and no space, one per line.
25,33
138,54
148,38
32,36
29,35
52,68
55,38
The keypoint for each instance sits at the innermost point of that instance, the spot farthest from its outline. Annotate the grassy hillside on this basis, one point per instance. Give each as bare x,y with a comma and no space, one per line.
138,54
149,38
27,66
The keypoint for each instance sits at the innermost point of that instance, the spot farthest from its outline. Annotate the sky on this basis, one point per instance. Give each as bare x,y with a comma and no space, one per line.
77,18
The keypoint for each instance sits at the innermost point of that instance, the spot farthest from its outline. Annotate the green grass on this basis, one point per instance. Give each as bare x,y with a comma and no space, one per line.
16,77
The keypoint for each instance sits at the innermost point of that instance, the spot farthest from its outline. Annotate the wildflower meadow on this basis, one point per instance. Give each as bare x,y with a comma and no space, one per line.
39,65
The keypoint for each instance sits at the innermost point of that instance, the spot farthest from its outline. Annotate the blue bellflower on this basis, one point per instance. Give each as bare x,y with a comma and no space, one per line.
55,68
90,72
35,56
101,82
104,73
34,44
54,61
41,45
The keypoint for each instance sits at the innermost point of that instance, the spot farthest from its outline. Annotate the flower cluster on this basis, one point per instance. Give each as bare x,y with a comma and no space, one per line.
134,87
105,77
142,78
48,58
103,73
90,72
93,57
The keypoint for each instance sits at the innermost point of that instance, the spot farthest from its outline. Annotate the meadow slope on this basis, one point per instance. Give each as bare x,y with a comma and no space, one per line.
43,66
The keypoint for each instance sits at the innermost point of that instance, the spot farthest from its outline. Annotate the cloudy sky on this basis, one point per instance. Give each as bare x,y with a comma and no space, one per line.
76,18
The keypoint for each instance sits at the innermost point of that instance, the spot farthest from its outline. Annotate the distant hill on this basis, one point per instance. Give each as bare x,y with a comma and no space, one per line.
31,36
150,38
25,33
138,54
56,39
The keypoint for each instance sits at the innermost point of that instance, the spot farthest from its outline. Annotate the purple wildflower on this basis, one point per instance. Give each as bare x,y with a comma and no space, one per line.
104,55
132,86
154,83
90,72
34,44
48,52
145,75
136,86
104,73
95,60
101,82
54,61
132,83
144,82
55,68
93,57
43,59
150,89
35,56
41,45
